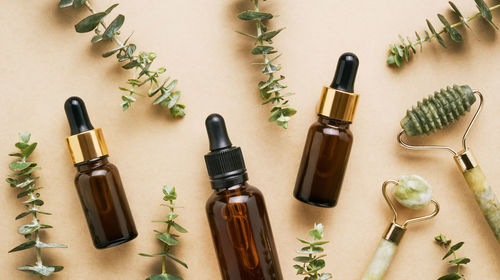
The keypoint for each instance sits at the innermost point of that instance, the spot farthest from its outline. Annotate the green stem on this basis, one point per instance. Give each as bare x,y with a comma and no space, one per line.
420,42
164,260
115,39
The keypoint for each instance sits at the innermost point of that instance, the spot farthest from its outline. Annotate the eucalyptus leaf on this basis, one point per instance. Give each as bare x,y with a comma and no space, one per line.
454,35
108,10
65,3
131,64
269,35
164,277
263,50
78,3
22,215
39,269
172,257
485,12
110,53
25,137
24,246
460,261
253,15
25,229
113,27
19,165
451,276
433,31
89,23
167,238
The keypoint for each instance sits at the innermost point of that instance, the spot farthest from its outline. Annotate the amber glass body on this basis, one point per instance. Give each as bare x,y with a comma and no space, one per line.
324,162
104,203
242,234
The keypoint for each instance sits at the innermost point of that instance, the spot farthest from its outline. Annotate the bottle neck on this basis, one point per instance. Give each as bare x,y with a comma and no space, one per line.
228,182
333,122
91,164
233,188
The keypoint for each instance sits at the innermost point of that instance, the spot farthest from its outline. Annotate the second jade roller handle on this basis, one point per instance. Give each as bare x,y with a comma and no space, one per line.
237,214
98,182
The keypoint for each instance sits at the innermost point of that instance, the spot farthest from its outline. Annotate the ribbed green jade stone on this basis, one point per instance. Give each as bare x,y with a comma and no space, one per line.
413,192
438,110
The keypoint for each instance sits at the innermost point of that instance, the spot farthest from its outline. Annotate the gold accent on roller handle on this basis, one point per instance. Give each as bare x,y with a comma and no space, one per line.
394,233
465,160
87,145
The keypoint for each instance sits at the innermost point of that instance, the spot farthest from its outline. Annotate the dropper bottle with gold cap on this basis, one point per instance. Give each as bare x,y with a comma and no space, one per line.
329,140
97,182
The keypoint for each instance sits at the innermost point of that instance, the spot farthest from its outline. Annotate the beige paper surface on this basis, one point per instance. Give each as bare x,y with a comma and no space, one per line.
44,61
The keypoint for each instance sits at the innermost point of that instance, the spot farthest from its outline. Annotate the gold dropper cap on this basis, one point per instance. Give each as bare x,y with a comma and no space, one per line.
338,101
87,145
338,104
85,142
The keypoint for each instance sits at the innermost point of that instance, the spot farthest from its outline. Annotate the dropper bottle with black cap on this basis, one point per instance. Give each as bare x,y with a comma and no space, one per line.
237,214
97,182
329,140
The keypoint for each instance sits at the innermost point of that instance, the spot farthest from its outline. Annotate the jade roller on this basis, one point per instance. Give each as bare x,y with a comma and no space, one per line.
438,111
410,191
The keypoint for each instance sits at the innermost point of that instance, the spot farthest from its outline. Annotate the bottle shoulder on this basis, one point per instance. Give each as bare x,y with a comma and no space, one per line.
100,167
331,128
237,195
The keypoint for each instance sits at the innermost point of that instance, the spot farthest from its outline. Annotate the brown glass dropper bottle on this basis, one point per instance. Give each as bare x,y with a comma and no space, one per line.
329,140
97,182
237,214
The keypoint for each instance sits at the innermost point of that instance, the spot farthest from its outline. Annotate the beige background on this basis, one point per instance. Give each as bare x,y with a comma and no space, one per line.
44,61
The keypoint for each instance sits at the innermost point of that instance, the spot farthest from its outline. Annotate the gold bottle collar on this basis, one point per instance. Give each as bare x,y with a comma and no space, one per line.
337,104
87,145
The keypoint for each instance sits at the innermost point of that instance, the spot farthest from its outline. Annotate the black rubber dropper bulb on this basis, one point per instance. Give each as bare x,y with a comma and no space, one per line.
345,75
217,132
77,115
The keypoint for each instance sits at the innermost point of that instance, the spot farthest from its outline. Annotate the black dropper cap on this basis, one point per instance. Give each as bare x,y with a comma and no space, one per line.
77,115
345,75
225,163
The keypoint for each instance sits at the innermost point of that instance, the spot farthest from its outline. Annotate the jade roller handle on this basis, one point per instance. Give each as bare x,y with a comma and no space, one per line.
483,193
381,260
386,250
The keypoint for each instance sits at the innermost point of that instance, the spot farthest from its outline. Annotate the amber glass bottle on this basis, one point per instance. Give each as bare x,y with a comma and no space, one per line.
237,214
329,140
97,182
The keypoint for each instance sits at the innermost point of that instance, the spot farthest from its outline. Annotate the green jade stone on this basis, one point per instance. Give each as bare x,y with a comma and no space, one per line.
413,192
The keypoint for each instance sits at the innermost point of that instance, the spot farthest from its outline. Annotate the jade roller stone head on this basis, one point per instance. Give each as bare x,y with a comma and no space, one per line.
410,191
413,192
437,112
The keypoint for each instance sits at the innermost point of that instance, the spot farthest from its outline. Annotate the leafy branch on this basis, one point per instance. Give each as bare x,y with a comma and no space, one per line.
161,88
168,238
313,261
23,180
400,53
442,241
270,90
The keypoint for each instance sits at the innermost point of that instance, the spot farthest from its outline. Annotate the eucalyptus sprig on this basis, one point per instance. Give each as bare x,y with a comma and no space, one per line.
444,242
159,87
399,53
270,90
24,180
168,238
312,262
